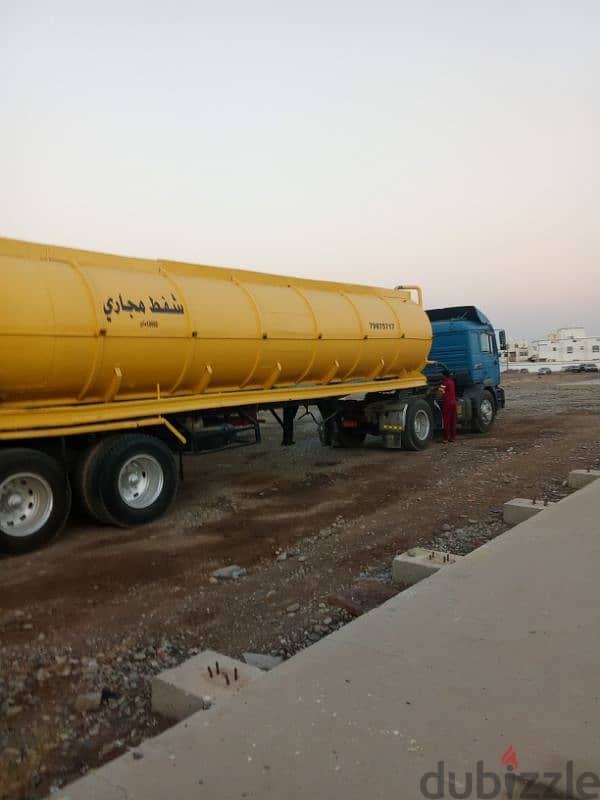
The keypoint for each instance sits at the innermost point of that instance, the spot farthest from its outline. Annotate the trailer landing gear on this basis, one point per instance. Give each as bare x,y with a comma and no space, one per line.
287,423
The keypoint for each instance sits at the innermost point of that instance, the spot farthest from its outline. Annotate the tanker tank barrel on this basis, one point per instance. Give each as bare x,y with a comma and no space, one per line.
79,327
111,368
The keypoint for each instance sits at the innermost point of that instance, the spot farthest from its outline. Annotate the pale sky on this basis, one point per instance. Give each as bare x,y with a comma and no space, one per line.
455,145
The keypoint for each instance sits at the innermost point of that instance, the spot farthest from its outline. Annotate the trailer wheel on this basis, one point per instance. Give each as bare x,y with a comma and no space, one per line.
348,437
138,479
35,499
324,432
418,426
342,436
86,478
484,413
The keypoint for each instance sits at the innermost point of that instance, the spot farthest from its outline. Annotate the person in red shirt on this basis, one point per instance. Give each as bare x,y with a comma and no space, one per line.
448,388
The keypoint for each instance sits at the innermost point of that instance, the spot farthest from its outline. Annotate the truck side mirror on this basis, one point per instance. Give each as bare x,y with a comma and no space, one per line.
502,339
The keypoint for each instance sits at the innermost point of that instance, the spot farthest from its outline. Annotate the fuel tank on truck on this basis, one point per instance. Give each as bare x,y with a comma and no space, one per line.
79,327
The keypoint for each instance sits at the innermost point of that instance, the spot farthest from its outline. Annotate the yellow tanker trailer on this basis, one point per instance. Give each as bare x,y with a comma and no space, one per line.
110,367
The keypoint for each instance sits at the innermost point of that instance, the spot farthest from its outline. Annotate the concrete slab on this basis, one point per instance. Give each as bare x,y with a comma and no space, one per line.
521,509
412,566
208,680
502,649
578,478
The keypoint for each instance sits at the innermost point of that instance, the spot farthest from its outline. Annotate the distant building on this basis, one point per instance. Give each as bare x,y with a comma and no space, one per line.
518,351
567,345
563,347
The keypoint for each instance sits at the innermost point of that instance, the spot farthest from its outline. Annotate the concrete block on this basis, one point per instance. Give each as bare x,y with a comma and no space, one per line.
263,661
520,509
578,478
418,563
179,692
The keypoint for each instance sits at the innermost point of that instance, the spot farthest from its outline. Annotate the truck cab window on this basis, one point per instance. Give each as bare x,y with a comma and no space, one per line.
486,343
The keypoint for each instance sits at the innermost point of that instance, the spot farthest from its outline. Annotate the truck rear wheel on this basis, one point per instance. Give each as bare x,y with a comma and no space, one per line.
348,437
347,431
137,479
126,479
418,426
484,413
85,481
35,499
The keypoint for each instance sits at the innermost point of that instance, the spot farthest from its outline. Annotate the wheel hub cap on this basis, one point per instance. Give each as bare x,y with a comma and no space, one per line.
140,481
487,411
422,425
26,502
15,501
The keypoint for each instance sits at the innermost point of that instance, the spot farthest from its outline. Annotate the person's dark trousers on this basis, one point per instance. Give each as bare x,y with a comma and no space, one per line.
449,415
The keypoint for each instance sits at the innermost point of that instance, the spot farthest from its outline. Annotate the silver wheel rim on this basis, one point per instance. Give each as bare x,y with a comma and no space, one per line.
26,502
486,411
422,425
140,481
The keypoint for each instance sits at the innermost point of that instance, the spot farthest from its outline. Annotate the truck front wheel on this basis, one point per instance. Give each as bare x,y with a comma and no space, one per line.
35,499
484,413
418,426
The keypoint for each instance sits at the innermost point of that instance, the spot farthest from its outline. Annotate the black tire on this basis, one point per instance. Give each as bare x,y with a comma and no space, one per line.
86,476
45,495
418,426
326,426
484,413
348,437
153,463
324,431
350,410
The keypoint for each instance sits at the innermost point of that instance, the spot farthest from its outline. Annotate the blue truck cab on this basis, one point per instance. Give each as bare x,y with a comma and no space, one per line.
464,342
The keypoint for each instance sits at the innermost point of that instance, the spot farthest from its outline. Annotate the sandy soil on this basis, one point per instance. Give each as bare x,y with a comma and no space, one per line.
105,609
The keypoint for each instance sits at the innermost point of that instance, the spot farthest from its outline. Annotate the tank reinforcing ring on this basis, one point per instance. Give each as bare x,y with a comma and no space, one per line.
140,481
26,502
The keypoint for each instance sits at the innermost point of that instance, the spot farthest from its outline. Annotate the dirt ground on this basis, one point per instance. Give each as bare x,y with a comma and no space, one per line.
103,610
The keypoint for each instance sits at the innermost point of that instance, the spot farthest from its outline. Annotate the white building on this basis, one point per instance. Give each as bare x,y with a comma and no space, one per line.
518,351
567,345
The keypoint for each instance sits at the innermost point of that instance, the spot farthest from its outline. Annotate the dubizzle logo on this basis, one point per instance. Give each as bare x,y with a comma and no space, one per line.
482,784
509,758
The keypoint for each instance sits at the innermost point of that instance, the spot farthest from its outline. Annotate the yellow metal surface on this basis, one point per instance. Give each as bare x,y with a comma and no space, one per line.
87,337
76,418
96,427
